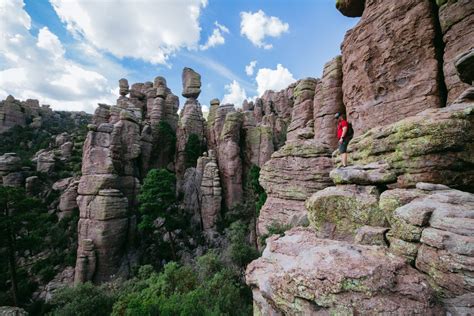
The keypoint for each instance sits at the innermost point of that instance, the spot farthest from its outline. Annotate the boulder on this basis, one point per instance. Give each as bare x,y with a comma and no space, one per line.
351,8
191,83
457,25
383,83
338,212
370,235
123,87
300,274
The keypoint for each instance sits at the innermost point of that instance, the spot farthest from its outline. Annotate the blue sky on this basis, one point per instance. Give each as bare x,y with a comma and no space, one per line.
71,53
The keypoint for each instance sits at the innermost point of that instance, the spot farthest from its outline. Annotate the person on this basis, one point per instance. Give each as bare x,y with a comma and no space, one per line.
342,136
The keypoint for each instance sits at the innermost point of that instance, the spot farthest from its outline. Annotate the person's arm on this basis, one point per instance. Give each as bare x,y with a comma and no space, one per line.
344,132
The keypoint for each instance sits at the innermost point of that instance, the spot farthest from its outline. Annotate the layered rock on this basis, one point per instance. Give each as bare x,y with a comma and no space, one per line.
383,81
211,194
433,227
294,172
457,25
299,274
302,110
106,192
328,102
17,113
10,170
229,159
434,146
191,119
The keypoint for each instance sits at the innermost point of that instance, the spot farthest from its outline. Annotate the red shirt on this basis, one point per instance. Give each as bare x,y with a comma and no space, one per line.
340,126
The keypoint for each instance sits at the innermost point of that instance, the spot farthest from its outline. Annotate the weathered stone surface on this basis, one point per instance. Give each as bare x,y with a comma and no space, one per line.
457,24
46,162
433,227
327,102
293,173
303,107
373,173
434,146
351,8
191,83
9,162
465,66
229,159
211,192
123,87
370,235
337,212
13,179
299,274
67,201
383,83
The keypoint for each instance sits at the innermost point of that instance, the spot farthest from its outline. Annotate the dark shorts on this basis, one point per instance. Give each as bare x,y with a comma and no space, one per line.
343,146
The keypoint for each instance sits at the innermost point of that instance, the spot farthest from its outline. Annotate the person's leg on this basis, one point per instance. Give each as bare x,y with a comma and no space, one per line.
344,159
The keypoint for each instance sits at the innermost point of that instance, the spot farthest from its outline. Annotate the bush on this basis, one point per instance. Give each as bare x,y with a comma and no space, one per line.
241,252
274,229
193,150
82,300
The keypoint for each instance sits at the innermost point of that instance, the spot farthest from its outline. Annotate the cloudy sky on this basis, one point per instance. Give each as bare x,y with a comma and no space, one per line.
71,53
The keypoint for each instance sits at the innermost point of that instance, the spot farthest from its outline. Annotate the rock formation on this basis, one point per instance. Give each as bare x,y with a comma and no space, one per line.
299,274
351,8
17,113
457,24
10,170
382,81
433,146
211,193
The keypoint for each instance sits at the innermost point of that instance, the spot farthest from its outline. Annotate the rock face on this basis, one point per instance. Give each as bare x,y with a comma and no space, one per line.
377,173
465,67
229,159
328,102
434,228
382,81
302,110
299,274
17,113
294,172
457,24
434,146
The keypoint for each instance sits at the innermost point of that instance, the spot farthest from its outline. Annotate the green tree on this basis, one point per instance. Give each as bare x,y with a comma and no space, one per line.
193,149
158,201
23,226
165,146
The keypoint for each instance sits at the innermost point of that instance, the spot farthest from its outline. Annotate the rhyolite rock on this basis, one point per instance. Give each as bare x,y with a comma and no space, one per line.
465,66
10,170
338,212
351,8
382,81
433,146
293,173
211,194
328,102
229,159
14,112
303,107
191,83
373,173
300,274
432,227
371,235
457,25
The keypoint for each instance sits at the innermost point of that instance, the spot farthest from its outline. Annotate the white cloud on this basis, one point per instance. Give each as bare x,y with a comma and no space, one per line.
235,94
216,38
273,79
256,26
250,68
36,67
150,30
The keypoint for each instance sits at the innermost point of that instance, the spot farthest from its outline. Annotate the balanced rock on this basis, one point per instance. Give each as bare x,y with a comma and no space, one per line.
123,87
191,83
351,8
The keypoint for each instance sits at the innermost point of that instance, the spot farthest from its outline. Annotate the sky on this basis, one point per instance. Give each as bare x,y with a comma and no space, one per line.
71,53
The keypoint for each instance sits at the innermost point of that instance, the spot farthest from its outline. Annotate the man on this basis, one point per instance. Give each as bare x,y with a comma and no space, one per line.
342,136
